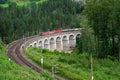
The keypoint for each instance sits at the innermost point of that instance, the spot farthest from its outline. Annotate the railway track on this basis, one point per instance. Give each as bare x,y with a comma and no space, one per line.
14,53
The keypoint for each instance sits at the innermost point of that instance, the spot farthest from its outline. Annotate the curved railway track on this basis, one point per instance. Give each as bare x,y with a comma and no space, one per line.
14,52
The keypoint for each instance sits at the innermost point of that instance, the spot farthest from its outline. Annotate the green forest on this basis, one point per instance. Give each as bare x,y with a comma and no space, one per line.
101,35
104,19
99,20
18,21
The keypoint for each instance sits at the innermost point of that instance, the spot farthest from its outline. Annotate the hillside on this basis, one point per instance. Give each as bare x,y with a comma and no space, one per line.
100,20
26,1
76,66
6,3
18,21
11,71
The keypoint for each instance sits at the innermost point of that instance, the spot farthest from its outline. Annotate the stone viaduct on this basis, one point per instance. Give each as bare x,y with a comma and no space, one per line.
63,41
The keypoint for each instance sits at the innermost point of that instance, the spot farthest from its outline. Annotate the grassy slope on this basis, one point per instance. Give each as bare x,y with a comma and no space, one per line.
11,71
76,67
22,2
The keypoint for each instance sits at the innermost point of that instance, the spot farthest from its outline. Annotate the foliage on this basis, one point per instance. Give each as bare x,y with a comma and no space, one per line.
22,21
85,43
75,66
100,15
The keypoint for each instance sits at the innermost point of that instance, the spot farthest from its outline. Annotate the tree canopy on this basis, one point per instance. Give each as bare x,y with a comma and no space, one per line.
103,17
16,21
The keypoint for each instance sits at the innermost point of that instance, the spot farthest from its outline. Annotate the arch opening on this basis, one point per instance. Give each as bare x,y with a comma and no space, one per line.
64,38
40,44
30,45
58,44
71,37
35,44
52,40
52,44
72,42
65,43
46,44
58,39
78,36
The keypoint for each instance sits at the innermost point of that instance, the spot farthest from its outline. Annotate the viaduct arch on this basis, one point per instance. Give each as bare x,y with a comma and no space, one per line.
63,41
